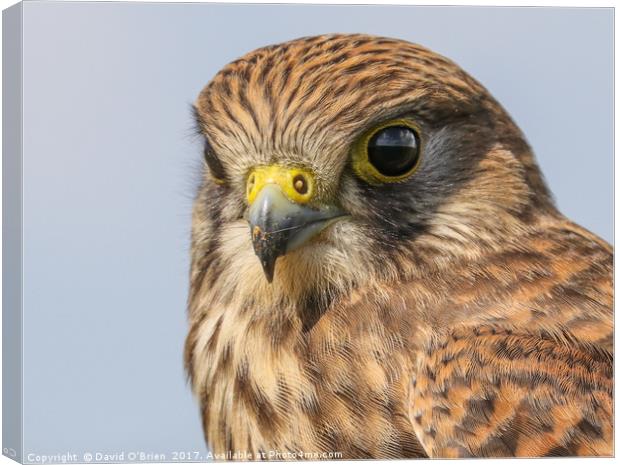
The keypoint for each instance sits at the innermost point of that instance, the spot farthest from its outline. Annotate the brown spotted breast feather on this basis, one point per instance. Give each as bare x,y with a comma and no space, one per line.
454,313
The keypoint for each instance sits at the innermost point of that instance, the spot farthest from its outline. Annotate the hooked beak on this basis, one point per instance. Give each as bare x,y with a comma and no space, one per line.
279,225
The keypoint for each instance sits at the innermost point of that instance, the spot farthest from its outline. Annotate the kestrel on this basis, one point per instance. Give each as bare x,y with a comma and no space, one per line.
378,269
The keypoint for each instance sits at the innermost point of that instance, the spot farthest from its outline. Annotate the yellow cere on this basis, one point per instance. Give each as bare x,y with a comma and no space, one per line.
296,183
362,166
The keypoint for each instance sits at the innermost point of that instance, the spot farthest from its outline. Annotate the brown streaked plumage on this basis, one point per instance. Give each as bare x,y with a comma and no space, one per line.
455,313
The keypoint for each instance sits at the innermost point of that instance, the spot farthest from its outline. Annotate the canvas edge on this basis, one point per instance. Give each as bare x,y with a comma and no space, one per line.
12,321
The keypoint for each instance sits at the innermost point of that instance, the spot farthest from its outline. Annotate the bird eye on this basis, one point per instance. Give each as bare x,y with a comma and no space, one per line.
388,153
393,151
215,166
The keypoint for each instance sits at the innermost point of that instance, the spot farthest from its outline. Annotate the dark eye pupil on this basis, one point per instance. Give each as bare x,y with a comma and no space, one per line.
394,151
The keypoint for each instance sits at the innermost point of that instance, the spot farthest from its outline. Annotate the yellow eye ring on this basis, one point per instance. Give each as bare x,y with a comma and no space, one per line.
216,180
403,167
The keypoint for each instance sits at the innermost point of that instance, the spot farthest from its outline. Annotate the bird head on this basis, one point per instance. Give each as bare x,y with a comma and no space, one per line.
331,159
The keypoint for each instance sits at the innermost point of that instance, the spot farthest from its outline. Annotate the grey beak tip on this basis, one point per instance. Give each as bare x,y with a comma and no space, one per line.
278,225
269,269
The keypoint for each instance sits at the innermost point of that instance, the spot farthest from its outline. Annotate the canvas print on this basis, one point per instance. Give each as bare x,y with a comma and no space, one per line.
319,240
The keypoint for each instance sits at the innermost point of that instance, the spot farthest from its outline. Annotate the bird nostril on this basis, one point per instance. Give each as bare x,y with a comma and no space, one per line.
300,184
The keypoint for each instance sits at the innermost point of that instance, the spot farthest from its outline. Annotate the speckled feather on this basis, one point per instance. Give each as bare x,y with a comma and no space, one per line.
455,314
